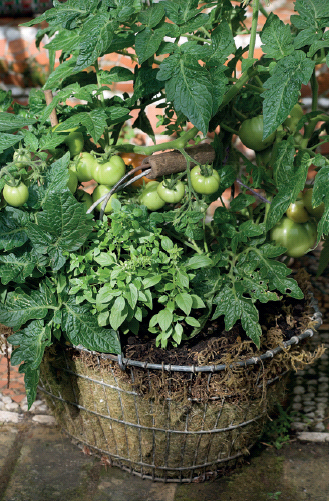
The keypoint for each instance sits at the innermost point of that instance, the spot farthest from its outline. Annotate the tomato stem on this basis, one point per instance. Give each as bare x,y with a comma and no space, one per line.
255,10
229,129
176,144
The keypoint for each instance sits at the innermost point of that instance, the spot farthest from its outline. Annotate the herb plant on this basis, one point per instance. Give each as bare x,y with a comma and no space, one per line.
150,263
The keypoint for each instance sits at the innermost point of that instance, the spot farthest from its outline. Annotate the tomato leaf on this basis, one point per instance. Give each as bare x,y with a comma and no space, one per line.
31,380
7,140
65,40
188,85
12,228
21,306
31,343
146,83
17,266
82,328
95,37
94,121
10,122
222,45
276,37
152,16
181,11
313,13
291,174
147,43
283,88
62,226
116,74
65,69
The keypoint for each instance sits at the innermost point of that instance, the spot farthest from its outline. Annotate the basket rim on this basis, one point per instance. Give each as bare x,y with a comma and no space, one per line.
124,363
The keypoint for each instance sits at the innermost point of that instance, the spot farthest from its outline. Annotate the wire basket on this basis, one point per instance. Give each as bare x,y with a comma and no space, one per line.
95,398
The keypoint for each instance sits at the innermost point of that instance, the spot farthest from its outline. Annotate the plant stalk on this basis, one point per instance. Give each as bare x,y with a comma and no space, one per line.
170,145
255,11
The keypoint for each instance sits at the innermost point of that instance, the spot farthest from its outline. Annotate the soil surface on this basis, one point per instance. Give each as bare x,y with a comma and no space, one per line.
285,316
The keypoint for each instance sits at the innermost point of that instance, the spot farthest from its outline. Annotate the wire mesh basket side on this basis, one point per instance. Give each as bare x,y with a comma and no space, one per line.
165,441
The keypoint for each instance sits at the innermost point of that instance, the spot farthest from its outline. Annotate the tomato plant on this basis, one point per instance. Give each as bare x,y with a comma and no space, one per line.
205,180
251,134
298,238
159,261
109,173
16,195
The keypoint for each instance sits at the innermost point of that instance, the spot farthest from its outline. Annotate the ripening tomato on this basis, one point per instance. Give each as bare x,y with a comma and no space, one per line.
72,183
171,195
294,116
110,172
251,134
75,143
135,160
297,212
16,195
22,158
298,238
150,197
314,211
98,192
205,180
85,167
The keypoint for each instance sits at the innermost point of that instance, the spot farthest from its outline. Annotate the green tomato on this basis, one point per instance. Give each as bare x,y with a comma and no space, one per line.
298,238
16,195
85,167
72,183
75,143
264,157
22,158
171,195
294,116
150,197
251,134
109,173
85,198
204,184
297,212
98,192
298,138
314,211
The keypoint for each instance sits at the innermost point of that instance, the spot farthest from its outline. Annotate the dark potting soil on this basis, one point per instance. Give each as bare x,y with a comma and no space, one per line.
287,316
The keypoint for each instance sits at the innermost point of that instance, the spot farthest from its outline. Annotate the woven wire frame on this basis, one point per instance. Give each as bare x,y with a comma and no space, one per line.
96,428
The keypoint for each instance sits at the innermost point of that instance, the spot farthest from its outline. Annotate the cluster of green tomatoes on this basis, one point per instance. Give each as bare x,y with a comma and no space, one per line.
297,230
107,172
